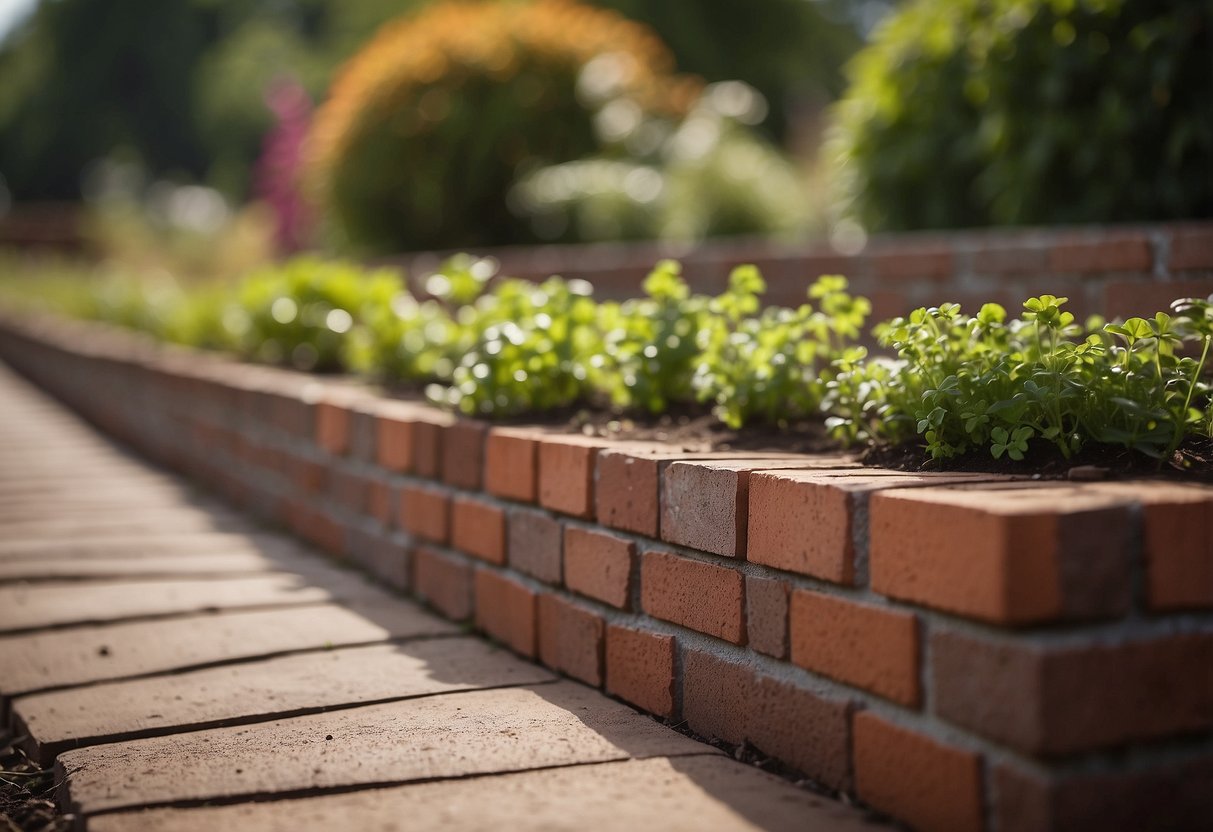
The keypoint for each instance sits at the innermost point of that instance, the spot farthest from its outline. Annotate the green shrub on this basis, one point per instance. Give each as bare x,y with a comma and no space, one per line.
428,127
301,313
650,350
966,383
979,112
772,366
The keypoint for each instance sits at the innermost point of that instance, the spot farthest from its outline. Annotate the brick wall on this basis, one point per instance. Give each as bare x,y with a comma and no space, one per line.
963,652
1113,270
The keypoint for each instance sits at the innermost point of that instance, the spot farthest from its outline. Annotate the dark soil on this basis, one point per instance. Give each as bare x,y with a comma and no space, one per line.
27,793
1193,462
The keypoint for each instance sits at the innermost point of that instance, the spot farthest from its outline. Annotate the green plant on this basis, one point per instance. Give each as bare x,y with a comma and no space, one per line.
302,312
650,349
772,365
525,348
980,112
966,383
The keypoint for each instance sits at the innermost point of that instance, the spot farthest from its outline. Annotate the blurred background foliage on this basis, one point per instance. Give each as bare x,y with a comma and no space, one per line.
173,114
1017,112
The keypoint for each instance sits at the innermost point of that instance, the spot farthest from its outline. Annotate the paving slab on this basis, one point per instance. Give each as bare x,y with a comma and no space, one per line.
263,690
455,735
154,566
80,655
35,606
686,794
146,545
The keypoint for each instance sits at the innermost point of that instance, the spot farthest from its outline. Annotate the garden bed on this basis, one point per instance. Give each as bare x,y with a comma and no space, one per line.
960,650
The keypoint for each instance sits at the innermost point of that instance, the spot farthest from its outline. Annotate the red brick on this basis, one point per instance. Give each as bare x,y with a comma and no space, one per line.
332,427
536,545
767,616
394,443
703,596
1105,252
566,474
425,512
912,263
732,702
511,464
463,454
1011,555
1066,699
310,475
1173,796
1191,248
571,639
872,648
803,521
627,491
427,446
505,609
443,582
478,528
915,778
1142,298
599,565
1177,530
640,668
380,499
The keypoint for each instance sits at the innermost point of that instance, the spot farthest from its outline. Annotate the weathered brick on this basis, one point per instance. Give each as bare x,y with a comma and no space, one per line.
362,433
915,778
803,521
863,645
478,528
1011,555
767,615
444,582
599,565
807,731
463,454
505,609
703,596
348,490
428,437
535,545
566,474
571,639
332,427
1065,699
1177,530
733,702
511,464
703,506
640,668
1174,796
381,556
425,512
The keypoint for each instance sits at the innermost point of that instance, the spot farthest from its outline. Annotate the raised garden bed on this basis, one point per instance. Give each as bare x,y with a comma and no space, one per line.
960,650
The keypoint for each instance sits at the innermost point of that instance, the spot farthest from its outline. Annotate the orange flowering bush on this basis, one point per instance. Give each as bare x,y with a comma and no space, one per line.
428,127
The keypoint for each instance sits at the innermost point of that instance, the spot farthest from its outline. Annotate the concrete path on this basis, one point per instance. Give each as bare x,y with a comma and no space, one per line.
186,669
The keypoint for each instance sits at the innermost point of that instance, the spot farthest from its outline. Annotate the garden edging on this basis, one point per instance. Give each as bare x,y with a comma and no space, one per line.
962,651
